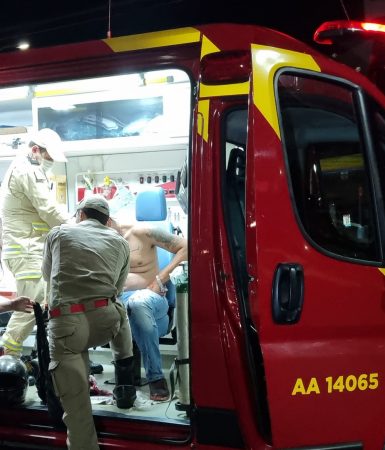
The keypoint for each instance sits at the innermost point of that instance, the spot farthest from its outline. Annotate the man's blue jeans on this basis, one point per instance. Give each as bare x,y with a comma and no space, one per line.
147,312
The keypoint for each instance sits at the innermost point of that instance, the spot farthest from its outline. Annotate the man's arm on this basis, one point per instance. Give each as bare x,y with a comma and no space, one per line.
47,256
125,269
22,304
173,244
42,199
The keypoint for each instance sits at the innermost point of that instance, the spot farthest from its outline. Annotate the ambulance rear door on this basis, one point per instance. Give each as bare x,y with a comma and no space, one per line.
314,243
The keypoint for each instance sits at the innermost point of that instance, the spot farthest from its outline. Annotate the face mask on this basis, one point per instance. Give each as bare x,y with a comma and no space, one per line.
46,165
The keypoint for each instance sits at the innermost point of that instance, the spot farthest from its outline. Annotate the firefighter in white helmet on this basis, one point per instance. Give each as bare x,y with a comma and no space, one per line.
29,211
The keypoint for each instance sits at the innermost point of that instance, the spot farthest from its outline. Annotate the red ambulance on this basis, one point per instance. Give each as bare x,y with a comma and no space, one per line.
279,168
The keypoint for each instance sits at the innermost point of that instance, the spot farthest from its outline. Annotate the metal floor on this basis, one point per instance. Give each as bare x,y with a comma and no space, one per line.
104,405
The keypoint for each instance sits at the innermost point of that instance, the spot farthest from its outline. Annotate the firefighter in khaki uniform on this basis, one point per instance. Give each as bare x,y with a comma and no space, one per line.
86,265
29,211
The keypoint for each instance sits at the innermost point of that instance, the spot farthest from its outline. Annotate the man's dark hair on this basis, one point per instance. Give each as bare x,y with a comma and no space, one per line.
94,214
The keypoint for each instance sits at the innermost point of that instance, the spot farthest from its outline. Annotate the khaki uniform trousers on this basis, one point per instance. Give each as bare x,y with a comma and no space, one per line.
70,337
29,282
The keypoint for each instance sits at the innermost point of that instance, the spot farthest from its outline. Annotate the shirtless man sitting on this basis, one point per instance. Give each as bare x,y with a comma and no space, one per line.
144,295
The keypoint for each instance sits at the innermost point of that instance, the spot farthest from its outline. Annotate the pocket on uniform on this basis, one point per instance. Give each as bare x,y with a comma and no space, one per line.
61,331
51,368
62,339
110,334
63,326
109,330
52,365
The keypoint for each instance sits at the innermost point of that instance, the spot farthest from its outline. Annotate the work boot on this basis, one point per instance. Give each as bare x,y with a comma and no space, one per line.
95,368
124,392
159,390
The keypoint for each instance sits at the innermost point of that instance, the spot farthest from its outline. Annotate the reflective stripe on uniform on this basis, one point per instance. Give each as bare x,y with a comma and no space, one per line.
12,249
40,226
28,274
12,345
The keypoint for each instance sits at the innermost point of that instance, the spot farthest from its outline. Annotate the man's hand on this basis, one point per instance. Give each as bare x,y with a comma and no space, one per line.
155,288
23,304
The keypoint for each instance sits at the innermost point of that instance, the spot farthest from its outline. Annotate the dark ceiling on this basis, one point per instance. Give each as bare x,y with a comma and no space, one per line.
56,22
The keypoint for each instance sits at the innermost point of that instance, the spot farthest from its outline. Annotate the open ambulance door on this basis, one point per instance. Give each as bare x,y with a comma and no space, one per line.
314,252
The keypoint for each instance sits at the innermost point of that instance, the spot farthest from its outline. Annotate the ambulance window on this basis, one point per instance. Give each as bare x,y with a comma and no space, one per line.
327,164
235,132
377,121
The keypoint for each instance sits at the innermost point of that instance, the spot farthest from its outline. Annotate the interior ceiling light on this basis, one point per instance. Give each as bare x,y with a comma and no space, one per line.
103,84
14,93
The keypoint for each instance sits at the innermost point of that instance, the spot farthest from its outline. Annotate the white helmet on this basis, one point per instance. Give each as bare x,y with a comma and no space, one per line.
50,141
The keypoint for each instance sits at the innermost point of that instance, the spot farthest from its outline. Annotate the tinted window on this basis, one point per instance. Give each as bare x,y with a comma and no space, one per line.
235,130
377,121
327,164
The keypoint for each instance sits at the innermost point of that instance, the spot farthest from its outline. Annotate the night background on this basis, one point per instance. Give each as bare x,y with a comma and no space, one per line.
44,23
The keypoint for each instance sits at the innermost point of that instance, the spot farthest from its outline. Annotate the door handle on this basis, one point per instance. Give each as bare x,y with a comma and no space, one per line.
287,293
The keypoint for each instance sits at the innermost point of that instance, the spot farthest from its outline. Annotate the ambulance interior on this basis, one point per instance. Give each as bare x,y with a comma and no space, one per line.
122,135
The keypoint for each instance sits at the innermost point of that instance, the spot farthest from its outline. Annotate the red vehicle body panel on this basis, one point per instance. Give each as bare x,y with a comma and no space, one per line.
302,351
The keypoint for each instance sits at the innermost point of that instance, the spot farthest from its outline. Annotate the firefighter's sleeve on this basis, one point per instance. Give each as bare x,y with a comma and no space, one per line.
42,200
47,255
125,269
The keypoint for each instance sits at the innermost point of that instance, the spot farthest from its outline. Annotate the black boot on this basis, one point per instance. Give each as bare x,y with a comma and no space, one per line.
124,392
95,368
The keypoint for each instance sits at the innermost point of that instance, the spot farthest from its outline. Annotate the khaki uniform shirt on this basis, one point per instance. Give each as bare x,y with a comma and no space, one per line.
84,261
29,209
